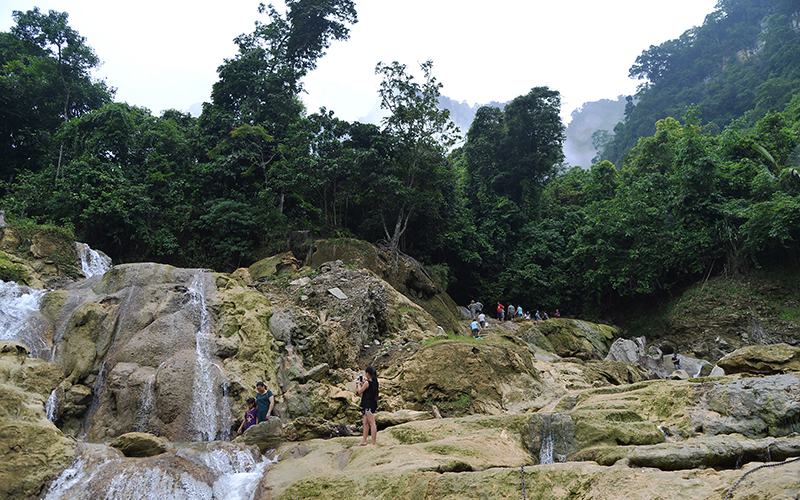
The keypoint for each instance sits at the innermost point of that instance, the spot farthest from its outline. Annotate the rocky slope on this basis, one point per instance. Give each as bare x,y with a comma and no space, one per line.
147,356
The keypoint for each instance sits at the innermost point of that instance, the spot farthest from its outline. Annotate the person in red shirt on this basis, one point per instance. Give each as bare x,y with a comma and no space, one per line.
500,311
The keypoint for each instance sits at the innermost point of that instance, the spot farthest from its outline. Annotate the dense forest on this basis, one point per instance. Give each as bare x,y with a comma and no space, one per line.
704,178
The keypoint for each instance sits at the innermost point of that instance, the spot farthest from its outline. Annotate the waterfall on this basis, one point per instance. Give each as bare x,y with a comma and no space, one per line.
211,415
226,473
92,261
145,405
20,319
52,406
555,435
546,451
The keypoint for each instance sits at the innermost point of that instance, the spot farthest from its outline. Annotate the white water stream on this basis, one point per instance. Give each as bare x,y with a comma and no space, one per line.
92,262
20,320
228,473
211,410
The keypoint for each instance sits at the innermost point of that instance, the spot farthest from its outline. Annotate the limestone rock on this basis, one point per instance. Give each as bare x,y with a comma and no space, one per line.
32,449
679,375
388,419
266,435
754,407
139,444
762,359
714,451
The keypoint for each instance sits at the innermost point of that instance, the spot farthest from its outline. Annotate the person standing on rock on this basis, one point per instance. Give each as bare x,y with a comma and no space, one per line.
265,401
369,402
676,362
472,309
500,310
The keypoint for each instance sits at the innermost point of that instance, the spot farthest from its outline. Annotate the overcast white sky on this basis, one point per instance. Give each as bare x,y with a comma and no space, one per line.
164,54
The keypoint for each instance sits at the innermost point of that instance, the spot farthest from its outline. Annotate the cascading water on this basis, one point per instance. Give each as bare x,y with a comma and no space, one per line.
555,433
92,262
546,451
20,319
146,405
52,406
211,415
229,472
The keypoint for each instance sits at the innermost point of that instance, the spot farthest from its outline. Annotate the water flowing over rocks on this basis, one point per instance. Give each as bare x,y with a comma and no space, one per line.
142,357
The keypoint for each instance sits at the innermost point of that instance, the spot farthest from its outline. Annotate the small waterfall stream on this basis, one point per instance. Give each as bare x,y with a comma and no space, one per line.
554,437
193,472
92,261
211,410
20,319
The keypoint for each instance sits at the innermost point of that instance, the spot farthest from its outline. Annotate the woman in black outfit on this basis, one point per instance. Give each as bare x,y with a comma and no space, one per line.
369,402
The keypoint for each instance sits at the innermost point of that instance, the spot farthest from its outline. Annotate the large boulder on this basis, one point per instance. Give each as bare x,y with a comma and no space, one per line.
163,350
762,359
569,338
754,407
32,449
266,435
140,444
403,274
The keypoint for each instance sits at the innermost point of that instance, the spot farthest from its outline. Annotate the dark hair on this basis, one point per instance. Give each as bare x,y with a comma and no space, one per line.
260,384
372,373
251,401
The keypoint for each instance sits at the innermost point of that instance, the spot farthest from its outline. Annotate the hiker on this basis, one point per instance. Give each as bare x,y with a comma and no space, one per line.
265,401
476,328
510,312
369,402
250,416
499,312
675,361
472,308
482,320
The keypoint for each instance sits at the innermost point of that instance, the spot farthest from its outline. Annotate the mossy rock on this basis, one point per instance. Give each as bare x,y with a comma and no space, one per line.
572,338
13,269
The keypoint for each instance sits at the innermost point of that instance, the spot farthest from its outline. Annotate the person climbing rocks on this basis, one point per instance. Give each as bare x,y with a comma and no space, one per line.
476,329
369,402
500,311
265,401
472,309
250,416
482,320
676,362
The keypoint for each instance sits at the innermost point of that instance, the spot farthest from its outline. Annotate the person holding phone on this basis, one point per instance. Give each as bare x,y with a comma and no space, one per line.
369,402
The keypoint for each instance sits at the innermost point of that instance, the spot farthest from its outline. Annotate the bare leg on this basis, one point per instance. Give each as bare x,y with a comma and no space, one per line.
373,428
366,431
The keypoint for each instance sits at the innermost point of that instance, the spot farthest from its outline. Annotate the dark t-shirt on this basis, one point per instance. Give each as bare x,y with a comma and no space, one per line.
369,398
262,401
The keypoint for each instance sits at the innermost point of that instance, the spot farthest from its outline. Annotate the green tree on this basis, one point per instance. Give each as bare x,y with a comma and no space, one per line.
424,134
45,80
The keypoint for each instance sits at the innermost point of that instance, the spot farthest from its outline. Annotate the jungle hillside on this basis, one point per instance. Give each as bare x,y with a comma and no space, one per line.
699,181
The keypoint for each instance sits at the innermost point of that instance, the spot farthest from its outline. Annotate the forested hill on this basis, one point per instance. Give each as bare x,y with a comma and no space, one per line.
743,62
498,218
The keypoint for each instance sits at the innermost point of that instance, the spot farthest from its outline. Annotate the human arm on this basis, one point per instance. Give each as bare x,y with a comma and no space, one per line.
271,405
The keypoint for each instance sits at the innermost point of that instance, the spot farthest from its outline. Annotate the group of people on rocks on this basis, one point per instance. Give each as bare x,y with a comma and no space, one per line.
510,312
259,409
478,317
